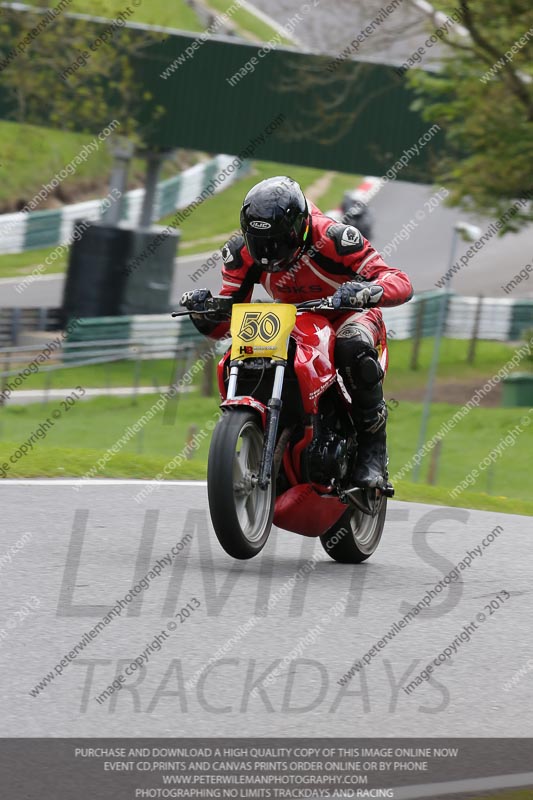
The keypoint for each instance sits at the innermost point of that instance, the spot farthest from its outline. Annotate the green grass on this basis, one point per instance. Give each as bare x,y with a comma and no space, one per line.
157,373
20,265
436,495
453,366
95,425
340,183
177,14
22,177
482,430
153,12
491,356
248,24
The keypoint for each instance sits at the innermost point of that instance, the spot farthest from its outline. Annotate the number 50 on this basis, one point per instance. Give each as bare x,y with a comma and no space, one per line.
255,325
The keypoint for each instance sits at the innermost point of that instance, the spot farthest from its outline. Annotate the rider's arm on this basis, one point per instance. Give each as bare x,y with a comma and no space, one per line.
396,285
346,246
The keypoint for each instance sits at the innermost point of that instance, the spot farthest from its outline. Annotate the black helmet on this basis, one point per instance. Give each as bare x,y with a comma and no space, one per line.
275,223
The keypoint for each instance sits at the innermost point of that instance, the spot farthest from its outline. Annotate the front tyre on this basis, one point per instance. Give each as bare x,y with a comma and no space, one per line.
356,535
241,512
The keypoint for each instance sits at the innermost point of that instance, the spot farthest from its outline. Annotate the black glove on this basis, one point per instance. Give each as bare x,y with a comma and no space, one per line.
357,295
195,300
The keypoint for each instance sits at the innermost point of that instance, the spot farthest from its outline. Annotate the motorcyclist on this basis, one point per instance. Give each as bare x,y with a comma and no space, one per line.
356,213
297,253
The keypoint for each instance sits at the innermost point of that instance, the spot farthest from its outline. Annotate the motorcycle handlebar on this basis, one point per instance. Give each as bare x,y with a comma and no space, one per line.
324,304
222,305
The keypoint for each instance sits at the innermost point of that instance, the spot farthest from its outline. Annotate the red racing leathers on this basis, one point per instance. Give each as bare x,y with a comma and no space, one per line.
334,254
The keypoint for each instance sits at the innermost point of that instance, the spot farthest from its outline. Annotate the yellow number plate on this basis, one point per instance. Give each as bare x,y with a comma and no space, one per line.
259,330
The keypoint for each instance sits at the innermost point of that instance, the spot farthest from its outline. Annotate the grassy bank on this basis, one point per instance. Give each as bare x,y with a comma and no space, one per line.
453,368
21,176
177,14
204,230
96,425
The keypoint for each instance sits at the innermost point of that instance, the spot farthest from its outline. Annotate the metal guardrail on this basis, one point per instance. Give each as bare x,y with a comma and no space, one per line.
14,321
500,319
81,354
16,361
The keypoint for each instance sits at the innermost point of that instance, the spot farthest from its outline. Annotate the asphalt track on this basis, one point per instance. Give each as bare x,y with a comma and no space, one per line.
90,545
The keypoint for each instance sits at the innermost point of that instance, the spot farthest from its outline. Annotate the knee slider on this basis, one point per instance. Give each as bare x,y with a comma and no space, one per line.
359,361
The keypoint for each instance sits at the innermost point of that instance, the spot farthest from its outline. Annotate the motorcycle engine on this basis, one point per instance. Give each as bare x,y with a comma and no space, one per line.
327,458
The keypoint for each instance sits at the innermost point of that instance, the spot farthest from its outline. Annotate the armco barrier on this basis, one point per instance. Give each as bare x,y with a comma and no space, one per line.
497,321
36,229
500,319
14,321
158,332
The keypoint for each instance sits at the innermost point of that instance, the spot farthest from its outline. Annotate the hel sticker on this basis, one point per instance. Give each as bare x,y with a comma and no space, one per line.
260,225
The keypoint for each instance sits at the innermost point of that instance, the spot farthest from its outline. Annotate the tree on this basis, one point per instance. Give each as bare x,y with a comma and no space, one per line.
486,117
82,83
482,97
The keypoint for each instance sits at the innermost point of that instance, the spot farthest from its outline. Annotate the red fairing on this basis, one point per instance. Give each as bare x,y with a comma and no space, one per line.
250,402
303,511
220,374
313,361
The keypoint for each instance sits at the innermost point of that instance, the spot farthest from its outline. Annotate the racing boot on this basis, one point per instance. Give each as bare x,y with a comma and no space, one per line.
370,469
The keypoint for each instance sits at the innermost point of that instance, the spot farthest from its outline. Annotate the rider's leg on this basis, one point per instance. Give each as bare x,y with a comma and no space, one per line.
357,360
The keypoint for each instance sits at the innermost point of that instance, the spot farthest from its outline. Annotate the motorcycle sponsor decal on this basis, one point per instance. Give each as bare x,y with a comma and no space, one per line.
252,325
260,225
322,388
314,288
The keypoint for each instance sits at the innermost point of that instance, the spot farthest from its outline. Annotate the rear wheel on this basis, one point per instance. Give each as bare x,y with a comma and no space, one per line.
241,512
356,535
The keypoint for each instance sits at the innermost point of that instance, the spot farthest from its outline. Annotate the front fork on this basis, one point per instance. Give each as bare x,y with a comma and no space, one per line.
271,424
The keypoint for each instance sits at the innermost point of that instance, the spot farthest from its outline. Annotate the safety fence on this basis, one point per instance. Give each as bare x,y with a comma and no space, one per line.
490,318
466,317
38,229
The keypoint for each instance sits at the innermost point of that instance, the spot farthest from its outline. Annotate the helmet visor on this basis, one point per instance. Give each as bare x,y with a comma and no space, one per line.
273,254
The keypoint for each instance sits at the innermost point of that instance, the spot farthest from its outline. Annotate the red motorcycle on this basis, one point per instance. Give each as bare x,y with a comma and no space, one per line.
283,449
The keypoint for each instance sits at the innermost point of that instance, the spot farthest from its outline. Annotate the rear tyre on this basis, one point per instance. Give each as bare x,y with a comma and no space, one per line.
355,536
241,513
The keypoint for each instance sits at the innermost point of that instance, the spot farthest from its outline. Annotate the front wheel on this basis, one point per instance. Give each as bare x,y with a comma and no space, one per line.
356,535
241,512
